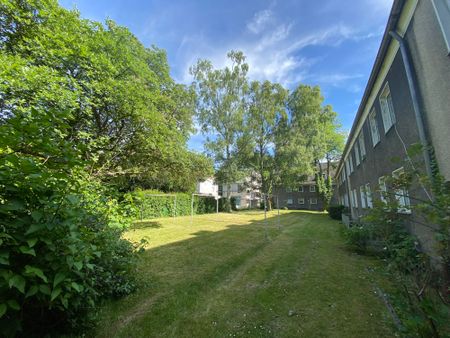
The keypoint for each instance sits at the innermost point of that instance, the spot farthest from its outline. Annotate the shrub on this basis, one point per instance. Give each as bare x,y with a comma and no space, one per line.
335,211
141,204
358,237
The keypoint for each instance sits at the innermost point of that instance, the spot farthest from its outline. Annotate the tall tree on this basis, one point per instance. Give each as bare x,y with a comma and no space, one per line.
266,108
220,112
318,128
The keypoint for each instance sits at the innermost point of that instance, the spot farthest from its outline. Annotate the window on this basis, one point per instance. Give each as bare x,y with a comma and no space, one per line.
357,154
362,192
369,196
387,108
313,201
350,160
346,199
312,188
347,167
300,188
352,202
362,145
355,198
374,128
442,8
301,201
290,201
238,201
288,189
401,194
343,178
383,189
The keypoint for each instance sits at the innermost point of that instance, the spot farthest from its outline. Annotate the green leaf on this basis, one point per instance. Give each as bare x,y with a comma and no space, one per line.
36,272
65,302
59,277
26,250
45,289
32,242
36,215
77,287
32,291
18,282
55,293
4,258
78,265
33,228
3,308
13,304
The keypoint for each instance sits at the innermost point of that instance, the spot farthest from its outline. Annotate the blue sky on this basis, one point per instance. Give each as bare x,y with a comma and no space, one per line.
330,43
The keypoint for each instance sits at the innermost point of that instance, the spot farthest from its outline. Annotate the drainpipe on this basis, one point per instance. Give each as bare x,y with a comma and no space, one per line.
415,100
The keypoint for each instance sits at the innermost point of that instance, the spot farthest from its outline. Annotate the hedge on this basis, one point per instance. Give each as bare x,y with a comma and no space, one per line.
141,205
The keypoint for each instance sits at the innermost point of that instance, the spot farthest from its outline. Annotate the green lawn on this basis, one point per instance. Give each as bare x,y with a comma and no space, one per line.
234,275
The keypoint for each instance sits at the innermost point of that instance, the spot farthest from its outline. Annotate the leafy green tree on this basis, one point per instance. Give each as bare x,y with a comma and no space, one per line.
315,131
266,108
220,112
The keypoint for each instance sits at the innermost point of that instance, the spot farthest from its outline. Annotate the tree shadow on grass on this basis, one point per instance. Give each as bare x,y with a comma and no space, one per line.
146,224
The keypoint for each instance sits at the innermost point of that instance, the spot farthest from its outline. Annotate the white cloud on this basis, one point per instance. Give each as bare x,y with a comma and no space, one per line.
260,21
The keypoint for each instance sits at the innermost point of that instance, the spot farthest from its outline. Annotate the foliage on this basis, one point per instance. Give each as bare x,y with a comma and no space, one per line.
266,108
125,110
81,104
358,237
335,211
419,276
220,111
142,205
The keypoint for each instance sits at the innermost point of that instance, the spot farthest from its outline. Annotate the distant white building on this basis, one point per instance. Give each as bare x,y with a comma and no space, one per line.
246,193
208,187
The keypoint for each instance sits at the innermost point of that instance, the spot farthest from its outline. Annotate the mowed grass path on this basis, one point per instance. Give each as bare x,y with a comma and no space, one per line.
234,275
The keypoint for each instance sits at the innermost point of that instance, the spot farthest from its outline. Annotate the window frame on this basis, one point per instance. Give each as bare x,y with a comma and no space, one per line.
313,199
442,10
362,192
382,189
300,188
369,197
387,108
405,205
356,150
301,201
291,200
362,145
373,124
312,188
355,198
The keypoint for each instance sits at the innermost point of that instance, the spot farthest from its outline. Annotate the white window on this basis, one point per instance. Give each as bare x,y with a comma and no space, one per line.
350,160
369,196
312,188
313,200
357,154
301,201
387,108
343,178
442,8
346,199
383,189
355,198
290,201
352,202
300,188
401,194
374,128
288,189
362,192
347,167
362,145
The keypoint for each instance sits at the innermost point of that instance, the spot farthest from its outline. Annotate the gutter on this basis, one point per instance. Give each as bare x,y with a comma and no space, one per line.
413,88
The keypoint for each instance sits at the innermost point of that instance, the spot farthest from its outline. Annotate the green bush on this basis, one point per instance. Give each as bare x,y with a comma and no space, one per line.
142,205
358,237
335,211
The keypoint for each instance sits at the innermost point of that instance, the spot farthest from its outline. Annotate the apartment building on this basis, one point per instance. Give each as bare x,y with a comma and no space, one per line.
406,102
